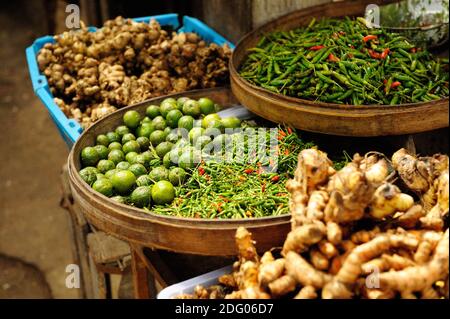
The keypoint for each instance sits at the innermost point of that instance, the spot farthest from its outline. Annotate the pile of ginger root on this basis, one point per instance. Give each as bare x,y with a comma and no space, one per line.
91,74
355,234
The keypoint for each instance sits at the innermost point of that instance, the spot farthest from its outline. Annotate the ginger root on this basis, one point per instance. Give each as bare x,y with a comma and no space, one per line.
270,271
355,234
307,292
303,272
388,199
304,236
127,62
418,278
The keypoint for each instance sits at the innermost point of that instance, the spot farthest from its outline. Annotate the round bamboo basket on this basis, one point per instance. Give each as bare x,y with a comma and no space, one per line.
329,118
183,235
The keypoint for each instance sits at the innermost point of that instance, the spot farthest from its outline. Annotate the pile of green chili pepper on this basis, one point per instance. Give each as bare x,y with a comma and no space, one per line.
233,189
343,61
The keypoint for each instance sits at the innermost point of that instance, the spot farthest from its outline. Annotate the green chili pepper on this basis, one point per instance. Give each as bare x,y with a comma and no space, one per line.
318,73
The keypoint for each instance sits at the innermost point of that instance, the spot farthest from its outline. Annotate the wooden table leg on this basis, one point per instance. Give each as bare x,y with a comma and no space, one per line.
140,276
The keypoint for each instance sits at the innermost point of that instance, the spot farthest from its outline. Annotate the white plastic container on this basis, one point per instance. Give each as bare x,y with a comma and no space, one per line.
188,286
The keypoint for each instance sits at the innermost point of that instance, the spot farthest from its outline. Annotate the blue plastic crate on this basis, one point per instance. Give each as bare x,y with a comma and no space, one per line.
70,129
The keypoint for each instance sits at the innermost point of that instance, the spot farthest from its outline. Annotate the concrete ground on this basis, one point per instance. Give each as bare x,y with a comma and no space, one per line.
33,228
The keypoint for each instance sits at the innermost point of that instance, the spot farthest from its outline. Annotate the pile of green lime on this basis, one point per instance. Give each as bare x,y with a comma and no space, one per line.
143,160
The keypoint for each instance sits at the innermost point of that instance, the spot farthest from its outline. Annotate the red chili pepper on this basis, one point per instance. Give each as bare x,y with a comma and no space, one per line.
369,37
282,133
333,58
385,53
384,81
395,84
413,50
275,179
374,54
263,187
201,171
248,171
316,47
289,130
271,162
286,152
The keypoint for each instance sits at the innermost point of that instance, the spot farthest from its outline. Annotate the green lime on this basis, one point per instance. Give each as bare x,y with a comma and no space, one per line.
89,156
113,137
167,162
122,130
169,100
182,143
208,118
216,124
144,180
202,141
145,129
141,196
148,156
123,165
221,142
180,102
89,174
177,176
159,123
163,192
141,159
102,139
100,176
172,137
103,186
166,107
119,199
206,106
167,131
105,165
143,142
102,151
131,157
116,156
159,173
137,169
212,132
189,160
123,181
115,146
128,137
131,146
146,120
157,137
195,133
132,119
231,122
186,122
152,111
192,108
173,117
109,174
163,148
